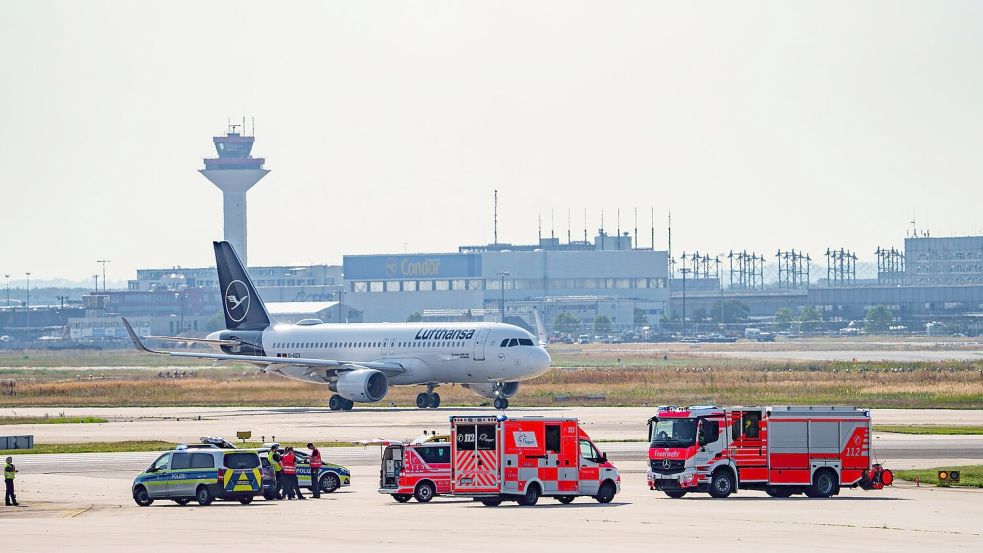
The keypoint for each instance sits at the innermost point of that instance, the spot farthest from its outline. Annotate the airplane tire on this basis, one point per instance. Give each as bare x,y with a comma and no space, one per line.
423,401
499,403
434,400
347,404
334,402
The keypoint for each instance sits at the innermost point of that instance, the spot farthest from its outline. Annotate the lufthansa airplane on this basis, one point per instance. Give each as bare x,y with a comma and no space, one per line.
360,361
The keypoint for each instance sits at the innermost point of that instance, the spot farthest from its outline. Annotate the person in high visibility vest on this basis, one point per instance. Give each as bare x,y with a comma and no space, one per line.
9,472
274,458
315,469
290,484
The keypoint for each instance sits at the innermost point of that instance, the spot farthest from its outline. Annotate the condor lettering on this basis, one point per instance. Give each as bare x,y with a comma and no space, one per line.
444,334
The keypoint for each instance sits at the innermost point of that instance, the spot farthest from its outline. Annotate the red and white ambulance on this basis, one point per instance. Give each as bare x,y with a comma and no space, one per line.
814,450
497,458
420,469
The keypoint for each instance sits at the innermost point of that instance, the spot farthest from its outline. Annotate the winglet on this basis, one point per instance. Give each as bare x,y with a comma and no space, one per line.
136,339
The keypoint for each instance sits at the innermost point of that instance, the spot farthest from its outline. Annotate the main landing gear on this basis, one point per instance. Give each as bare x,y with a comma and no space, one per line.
501,403
338,403
428,399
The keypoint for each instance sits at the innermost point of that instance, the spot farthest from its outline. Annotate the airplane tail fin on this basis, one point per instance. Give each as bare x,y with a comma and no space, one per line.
540,329
244,310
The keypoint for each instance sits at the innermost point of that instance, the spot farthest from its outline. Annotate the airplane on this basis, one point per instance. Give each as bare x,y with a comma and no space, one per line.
360,361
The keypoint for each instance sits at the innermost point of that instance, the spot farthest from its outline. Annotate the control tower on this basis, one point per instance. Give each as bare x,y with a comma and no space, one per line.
234,172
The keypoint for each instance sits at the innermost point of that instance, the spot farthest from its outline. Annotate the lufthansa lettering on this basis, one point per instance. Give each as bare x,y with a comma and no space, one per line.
444,334
426,267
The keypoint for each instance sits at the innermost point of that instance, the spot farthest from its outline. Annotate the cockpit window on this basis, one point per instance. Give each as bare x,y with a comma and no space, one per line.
505,343
525,342
513,342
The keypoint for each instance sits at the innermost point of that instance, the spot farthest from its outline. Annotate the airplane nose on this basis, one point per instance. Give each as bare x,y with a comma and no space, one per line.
542,359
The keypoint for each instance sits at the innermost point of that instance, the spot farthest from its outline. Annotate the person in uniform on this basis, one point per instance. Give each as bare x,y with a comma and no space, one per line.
274,458
291,486
9,472
315,469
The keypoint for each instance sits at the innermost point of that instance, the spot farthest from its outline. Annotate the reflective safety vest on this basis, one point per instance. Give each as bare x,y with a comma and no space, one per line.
289,465
9,472
315,458
272,458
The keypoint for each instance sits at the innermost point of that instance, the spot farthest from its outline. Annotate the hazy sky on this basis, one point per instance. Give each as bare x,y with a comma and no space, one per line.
761,125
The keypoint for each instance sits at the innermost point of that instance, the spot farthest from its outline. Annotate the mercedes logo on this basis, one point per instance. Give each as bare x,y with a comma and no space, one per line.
666,463
237,300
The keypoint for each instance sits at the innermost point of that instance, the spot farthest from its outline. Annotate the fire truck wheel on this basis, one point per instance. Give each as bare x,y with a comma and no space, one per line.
782,492
424,492
606,493
402,497
422,401
675,494
565,499
434,400
722,483
531,496
823,484
491,501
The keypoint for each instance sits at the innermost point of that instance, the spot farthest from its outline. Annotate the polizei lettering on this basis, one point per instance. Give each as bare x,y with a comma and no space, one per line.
444,334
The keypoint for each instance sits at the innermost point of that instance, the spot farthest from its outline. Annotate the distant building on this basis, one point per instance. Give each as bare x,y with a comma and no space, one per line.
944,260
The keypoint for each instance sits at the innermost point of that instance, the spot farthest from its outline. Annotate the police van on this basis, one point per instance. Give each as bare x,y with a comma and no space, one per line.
203,474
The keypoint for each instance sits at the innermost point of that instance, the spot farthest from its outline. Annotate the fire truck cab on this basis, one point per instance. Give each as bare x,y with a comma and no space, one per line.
784,450
420,470
497,458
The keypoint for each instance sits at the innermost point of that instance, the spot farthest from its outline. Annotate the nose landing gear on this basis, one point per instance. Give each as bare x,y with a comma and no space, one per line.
428,399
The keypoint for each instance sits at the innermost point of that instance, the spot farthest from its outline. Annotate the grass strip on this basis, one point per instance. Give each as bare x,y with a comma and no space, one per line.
51,420
136,446
930,429
970,476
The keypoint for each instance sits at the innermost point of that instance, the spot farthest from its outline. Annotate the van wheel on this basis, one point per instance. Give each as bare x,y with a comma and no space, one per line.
330,483
246,500
203,496
823,485
424,492
402,497
606,493
183,501
675,494
722,483
142,497
491,501
782,492
565,499
531,497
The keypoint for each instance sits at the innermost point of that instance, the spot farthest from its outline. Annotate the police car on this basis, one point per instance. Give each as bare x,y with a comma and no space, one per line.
331,476
201,473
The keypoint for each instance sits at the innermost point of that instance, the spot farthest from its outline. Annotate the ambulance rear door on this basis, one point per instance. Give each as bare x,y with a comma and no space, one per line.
476,458
392,466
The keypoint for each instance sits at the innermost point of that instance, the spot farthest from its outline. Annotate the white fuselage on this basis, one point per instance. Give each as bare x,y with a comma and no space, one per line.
464,353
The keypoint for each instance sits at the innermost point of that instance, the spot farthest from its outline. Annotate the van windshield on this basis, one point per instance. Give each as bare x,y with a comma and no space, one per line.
673,433
241,460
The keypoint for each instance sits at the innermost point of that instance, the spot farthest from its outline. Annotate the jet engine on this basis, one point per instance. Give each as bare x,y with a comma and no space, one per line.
493,391
362,385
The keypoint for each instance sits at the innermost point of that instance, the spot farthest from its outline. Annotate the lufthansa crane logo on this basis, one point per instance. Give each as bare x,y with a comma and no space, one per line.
237,300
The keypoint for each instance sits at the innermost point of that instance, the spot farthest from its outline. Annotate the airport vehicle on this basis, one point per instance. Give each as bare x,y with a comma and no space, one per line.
331,476
784,450
202,473
497,458
420,470
359,361
584,339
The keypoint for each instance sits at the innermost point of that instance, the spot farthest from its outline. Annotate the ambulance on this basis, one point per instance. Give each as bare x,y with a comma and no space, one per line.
786,450
497,458
420,470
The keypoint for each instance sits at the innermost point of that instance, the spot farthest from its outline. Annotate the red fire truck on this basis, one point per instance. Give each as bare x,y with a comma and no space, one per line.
421,469
814,450
496,459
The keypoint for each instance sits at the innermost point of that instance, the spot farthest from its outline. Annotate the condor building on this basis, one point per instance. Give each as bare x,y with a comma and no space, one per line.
607,277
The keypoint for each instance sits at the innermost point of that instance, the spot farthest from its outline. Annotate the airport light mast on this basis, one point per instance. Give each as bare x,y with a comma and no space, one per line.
234,172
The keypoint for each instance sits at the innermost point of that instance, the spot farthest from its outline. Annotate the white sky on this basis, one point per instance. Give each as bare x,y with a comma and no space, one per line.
762,125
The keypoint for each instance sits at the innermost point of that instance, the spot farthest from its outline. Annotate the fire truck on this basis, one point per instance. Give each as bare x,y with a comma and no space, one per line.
420,469
496,459
785,450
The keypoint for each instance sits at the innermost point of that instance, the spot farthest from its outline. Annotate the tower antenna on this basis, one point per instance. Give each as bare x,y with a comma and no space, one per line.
568,225
670,239
552,223
652,223
618,227
635,245
585,225
495,219
540,228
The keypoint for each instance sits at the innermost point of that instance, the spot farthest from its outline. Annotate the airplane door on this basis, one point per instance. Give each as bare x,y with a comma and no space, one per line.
479,345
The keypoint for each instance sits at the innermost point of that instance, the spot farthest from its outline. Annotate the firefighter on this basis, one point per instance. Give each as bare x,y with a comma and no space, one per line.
274,458
9,472
291,487
315,470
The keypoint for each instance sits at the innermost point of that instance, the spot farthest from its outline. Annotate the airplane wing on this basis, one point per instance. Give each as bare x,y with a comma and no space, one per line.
194,340
311,370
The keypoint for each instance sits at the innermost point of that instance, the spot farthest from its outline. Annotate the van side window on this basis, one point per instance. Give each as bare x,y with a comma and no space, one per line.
750,422
202,461
181,461
553,438
161,462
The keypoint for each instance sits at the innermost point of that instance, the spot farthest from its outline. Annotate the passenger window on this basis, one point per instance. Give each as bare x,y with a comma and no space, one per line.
161,462
751,426
553,438
587,451
181,461
202,461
